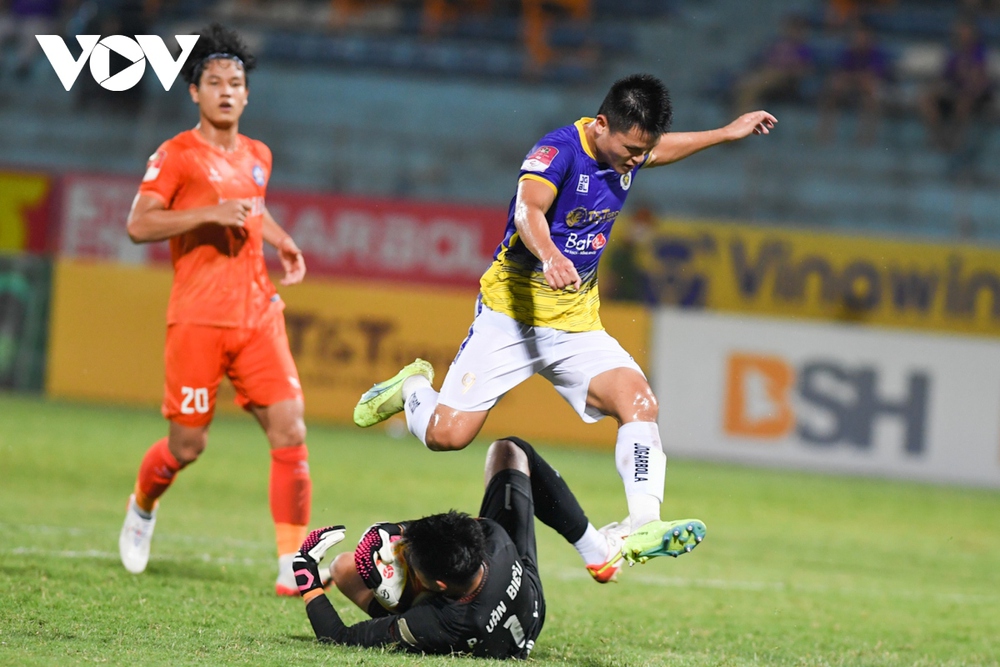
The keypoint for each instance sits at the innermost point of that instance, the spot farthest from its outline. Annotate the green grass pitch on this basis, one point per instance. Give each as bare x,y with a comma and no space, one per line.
797,569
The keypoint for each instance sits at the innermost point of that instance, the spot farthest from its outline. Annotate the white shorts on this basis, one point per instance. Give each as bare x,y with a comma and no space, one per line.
501,353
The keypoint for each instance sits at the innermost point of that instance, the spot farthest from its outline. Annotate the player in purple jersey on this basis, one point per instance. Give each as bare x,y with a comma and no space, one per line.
538,310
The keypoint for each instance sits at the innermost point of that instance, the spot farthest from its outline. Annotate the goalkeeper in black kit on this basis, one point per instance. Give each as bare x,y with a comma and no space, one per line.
450,583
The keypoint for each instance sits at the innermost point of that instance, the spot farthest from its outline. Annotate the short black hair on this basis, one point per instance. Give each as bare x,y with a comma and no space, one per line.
446,547
212,40
638,100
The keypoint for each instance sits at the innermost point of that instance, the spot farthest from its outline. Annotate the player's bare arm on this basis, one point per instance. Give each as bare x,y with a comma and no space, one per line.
288,252
675,146
533,202
149,220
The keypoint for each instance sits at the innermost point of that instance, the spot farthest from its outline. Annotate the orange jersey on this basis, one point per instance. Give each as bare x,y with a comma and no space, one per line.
219,274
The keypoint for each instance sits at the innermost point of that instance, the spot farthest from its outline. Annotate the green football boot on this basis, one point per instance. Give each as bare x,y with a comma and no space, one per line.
663,538
385,399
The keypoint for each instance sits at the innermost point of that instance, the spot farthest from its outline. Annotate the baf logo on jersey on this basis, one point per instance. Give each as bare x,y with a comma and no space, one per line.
136,51
580,244
258,175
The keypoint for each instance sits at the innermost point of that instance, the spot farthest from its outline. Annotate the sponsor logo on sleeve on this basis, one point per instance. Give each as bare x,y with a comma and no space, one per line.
154,164
540,158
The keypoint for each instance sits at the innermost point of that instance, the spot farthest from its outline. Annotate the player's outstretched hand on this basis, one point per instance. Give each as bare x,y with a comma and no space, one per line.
306,561
755,122
292,261
560,273
233,212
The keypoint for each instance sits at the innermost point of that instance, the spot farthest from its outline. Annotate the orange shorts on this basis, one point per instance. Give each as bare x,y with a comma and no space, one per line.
257,361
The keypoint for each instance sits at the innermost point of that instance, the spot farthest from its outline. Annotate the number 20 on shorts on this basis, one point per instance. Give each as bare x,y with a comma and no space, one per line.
195,400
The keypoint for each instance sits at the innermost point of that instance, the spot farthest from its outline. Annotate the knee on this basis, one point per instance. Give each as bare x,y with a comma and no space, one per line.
187,447
342,570
289,434
645,406
445,440
506,455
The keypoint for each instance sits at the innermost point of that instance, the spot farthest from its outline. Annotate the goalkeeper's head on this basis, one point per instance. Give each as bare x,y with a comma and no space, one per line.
445,551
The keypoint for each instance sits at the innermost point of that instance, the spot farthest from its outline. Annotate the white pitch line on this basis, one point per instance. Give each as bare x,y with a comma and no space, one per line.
169,537
109,555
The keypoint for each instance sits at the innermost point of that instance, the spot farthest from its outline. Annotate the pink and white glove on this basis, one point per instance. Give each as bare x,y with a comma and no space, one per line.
306,561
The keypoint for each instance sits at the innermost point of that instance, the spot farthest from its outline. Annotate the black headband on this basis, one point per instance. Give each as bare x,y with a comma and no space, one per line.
199,68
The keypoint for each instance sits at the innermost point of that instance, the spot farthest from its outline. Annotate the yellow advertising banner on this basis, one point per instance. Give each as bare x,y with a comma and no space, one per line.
24,216
108,330
740,268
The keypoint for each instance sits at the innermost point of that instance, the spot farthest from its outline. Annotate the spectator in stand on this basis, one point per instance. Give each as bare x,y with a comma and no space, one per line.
539,16
857,79
961,92
840,13
779,70
20,21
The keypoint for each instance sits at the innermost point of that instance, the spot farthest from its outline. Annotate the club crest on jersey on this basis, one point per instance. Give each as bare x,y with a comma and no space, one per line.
583,186
258,175
154,164
574,217
581,216
626,180
540,158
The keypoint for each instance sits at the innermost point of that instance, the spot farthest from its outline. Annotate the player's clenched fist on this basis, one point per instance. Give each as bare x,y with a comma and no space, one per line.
233,212
560,273
292,261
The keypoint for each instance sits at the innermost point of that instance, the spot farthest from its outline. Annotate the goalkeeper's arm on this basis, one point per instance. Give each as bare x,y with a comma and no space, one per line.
325,620
329,628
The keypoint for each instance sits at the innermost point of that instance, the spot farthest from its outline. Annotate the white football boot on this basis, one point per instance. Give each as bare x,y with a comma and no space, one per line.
615,532
135,538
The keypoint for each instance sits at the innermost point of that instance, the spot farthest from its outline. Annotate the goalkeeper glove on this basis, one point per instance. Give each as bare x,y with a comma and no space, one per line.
376,562
306,561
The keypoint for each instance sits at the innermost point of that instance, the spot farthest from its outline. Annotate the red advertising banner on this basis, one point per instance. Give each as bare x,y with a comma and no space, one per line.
438,244
94,211
25,211
345,237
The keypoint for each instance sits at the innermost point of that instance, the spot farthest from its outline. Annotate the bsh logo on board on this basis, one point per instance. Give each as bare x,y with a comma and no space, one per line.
137,51
763,393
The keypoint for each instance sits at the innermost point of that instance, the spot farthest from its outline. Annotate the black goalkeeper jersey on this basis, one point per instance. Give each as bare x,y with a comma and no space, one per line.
500,619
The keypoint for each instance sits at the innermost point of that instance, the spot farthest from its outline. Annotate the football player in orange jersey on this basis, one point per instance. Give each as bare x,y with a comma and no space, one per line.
204,191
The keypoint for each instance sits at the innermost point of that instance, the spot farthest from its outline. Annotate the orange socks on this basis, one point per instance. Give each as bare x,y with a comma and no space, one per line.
291,489
155,475
291,496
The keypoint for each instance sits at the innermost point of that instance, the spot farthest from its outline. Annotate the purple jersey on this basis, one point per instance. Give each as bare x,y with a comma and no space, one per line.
589,197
